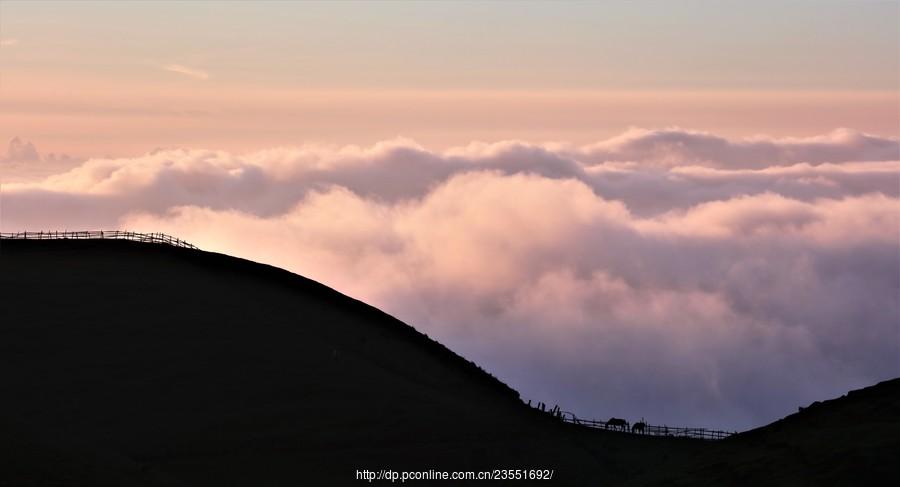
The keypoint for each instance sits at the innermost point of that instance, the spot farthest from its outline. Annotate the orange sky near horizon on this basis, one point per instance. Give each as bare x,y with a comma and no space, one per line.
82,118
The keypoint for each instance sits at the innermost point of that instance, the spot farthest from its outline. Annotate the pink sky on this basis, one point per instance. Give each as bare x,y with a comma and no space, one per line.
95,79
87,117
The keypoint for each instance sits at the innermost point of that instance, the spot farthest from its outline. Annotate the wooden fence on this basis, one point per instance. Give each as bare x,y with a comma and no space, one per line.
649,429
158,238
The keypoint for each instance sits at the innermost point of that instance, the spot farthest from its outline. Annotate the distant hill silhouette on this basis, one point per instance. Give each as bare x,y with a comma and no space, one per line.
851,440
124,363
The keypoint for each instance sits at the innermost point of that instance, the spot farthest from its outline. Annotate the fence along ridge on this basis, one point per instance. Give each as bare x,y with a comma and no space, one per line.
650,429
640,427
158,238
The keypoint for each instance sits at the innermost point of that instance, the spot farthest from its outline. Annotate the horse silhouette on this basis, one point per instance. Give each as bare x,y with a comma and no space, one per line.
617,424
638,427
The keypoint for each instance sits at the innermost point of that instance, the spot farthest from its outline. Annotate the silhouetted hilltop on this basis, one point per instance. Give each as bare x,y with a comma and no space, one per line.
129,363
126,363
851,440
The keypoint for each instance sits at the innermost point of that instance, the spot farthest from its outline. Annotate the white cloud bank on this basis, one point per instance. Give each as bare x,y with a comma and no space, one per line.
674,275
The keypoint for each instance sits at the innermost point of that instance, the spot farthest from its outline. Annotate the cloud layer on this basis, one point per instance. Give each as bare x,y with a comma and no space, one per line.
670,274
24,163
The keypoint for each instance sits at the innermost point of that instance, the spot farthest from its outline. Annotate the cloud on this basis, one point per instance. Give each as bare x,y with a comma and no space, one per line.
9,42
271,181
18,150
689,284
24,163
675,147
190,72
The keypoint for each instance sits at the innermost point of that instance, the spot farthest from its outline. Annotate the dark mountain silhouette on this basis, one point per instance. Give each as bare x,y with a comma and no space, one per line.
125,363
851,440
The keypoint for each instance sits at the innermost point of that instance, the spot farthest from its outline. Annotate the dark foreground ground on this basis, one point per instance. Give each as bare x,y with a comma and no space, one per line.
139,364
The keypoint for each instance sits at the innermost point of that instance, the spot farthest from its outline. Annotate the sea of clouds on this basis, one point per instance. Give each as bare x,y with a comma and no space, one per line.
674,275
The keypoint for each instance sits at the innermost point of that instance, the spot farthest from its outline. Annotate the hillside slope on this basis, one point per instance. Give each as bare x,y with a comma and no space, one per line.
124,363
138,364
851,440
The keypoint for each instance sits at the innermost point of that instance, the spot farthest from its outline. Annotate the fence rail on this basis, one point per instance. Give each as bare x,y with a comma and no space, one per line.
649,429
638,428
158,238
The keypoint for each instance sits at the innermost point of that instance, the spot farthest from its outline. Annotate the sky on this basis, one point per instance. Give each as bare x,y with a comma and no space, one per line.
683,211
120,78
